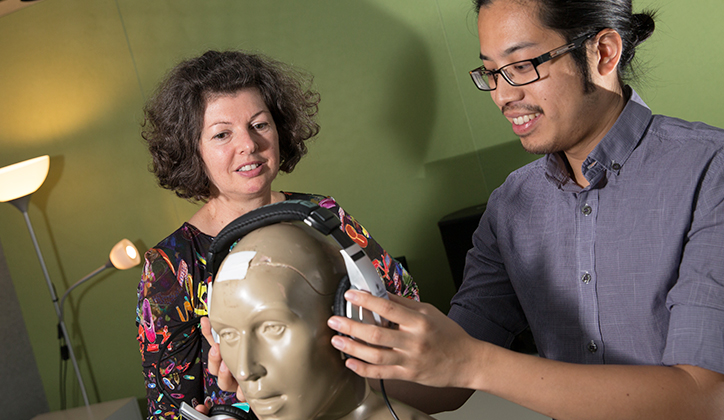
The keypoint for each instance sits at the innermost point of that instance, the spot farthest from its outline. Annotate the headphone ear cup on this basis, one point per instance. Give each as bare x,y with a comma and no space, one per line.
340,305
231,411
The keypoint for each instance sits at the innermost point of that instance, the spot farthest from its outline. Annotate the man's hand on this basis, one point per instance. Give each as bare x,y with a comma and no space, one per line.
217,366
427,347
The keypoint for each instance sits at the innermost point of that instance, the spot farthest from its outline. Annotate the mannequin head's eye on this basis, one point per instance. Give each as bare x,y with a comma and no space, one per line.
229,335
272,329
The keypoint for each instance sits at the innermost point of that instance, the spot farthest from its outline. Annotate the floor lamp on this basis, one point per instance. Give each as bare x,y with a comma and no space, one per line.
17,183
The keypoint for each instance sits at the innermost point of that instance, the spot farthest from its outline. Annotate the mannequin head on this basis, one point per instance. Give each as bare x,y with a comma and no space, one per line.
270,303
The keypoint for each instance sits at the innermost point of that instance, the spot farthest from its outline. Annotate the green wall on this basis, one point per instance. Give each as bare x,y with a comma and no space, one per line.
405,140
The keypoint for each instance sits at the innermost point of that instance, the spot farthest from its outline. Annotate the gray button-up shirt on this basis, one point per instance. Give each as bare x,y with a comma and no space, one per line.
629,270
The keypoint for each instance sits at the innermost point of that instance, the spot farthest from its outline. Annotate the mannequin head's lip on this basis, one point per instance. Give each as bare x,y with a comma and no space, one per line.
268,405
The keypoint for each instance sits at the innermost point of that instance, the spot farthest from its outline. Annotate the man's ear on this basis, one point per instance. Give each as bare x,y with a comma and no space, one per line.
607,48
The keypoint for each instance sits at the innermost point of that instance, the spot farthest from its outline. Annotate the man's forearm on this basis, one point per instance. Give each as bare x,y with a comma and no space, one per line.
573,391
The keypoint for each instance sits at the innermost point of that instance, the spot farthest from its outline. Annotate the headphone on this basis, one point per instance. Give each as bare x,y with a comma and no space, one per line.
361,273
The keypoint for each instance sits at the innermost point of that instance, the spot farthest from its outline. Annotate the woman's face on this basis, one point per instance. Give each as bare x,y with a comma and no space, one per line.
239,146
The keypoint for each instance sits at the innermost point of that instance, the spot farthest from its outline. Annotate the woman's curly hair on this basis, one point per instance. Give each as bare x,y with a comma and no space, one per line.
174,116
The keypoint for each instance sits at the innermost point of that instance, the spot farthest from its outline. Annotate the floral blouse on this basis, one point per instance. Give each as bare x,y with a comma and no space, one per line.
172,295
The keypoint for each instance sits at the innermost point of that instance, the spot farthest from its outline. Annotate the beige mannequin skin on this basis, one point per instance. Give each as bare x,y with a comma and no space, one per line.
272,324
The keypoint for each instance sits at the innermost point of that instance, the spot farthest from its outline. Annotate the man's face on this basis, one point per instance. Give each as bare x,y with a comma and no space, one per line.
552,114
274,339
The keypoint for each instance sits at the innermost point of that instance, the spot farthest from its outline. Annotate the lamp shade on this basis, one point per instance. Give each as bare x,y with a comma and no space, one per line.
23,178
124,255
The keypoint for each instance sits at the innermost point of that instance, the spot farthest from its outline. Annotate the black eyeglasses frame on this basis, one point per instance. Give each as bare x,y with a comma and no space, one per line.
481,71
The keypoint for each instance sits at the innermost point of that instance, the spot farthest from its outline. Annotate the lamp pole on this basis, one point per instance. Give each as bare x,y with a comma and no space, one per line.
22,205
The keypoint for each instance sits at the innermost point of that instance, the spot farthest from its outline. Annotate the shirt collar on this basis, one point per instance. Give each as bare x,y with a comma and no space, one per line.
611,154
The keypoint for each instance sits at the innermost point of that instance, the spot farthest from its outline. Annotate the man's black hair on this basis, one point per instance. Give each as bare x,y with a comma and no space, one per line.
575,18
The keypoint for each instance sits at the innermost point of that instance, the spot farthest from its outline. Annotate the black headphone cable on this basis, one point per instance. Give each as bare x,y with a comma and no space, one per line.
387,401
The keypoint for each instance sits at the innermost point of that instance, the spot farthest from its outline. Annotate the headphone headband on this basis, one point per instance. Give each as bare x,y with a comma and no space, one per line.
361,273
320,218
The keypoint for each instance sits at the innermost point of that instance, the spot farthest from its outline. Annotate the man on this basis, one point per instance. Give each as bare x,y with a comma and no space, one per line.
610,247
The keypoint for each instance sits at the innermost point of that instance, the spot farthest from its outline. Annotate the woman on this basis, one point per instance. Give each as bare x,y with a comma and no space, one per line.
219,129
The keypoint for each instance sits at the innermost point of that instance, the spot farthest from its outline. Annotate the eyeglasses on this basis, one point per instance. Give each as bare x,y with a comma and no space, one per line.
522,72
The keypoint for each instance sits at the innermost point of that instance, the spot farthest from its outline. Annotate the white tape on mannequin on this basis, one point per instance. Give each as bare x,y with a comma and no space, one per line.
234,267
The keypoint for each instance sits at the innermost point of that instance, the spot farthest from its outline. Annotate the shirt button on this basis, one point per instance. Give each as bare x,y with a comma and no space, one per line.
615,165
592,347
586,278
586,210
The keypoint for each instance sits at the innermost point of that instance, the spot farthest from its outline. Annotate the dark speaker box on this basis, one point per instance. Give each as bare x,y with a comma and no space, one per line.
457,236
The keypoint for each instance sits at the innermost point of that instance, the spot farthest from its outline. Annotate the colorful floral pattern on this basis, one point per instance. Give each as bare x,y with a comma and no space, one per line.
172,293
